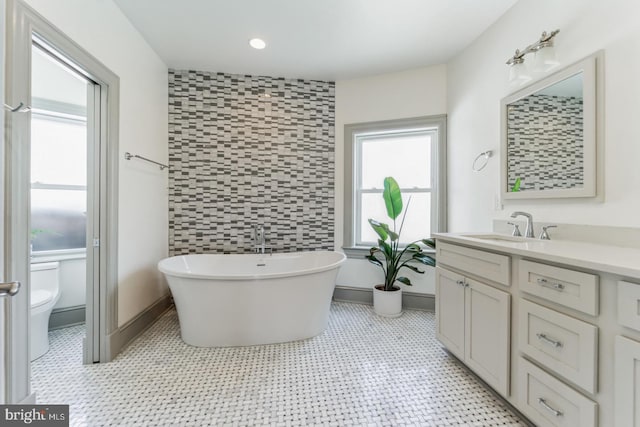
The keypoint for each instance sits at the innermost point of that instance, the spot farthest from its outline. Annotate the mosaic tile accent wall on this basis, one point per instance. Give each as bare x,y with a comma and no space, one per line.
545,142
239,158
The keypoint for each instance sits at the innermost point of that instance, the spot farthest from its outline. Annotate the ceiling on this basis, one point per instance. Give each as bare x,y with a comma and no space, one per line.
311,39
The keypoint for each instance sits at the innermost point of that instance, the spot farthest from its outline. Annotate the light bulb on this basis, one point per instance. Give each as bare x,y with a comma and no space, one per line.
257,43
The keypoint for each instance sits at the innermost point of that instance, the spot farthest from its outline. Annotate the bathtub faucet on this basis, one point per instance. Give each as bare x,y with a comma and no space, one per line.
259,240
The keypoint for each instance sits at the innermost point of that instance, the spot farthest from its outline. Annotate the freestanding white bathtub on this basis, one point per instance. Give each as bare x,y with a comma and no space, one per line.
238,300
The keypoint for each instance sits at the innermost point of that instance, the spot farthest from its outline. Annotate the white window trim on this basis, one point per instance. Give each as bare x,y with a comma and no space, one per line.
42,186
439,200
58,109
58,255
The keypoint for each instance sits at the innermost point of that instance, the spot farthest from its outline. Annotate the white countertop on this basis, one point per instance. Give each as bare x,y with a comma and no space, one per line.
599,257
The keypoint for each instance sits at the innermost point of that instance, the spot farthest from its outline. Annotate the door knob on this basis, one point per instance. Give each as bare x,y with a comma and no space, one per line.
9,288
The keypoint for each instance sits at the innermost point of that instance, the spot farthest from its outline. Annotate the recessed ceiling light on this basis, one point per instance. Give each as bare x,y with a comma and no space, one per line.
257,43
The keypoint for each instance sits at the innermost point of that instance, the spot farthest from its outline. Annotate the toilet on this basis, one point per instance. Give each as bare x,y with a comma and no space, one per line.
45,292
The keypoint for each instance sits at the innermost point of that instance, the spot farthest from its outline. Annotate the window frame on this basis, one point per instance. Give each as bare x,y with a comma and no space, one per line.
435,124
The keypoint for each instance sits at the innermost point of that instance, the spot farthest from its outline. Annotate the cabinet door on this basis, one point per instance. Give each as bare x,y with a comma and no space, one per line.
627,383
487,334
450,290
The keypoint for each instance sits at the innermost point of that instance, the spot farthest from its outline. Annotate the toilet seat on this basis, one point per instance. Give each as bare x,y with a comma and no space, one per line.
40,297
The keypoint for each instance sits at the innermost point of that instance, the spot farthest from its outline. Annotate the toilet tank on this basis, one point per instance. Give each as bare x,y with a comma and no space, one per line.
45,276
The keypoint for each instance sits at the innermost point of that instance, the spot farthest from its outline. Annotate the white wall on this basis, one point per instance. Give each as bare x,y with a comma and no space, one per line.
100,28
477,80
413,93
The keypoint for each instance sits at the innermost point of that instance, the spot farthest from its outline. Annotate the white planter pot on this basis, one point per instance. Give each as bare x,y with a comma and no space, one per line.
387,303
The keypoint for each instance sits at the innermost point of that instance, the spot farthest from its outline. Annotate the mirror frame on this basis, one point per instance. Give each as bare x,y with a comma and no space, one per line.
592,125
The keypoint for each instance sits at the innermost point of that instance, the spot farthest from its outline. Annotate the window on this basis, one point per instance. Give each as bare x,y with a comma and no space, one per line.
413,152
58,181
58,154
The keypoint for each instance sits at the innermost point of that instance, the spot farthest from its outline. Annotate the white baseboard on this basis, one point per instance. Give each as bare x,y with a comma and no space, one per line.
410,300
128,332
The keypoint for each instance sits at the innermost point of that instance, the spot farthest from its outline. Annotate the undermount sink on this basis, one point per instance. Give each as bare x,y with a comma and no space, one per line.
498,237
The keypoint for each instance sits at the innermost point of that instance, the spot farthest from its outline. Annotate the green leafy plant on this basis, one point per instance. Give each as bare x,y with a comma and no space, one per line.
389,255
516,185
36,231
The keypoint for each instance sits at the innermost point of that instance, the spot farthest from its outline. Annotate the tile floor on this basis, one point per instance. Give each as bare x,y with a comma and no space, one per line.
362,371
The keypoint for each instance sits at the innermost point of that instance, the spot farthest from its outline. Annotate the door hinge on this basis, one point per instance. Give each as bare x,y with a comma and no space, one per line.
96,243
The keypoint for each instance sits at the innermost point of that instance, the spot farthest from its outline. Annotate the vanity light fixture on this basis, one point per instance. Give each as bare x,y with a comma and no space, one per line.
545,59
518,73
257,44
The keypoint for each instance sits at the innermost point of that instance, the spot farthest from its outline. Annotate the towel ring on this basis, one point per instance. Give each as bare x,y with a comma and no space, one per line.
483,164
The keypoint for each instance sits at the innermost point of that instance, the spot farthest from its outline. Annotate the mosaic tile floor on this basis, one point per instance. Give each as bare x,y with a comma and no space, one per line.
362,371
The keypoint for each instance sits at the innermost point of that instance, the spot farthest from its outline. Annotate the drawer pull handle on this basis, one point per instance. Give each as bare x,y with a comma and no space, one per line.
543,337
548,407
553,285
461,283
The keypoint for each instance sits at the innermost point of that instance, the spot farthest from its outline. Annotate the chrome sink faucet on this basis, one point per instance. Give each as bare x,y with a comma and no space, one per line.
528,232
259,239
516,229
545,233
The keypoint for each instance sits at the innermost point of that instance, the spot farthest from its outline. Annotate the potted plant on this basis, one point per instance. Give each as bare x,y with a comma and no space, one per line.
391,257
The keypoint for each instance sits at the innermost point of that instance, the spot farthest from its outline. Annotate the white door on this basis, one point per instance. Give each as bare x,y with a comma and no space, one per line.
3,326
14,213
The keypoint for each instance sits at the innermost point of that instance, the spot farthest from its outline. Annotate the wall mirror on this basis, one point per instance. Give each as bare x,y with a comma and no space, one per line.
549,141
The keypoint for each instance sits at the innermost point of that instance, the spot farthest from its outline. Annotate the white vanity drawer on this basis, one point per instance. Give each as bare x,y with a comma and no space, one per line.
570,288
549,402
629,304
494,267
561,343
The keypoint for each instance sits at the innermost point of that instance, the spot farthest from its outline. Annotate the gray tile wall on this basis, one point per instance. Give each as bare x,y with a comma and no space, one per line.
545,142
238,158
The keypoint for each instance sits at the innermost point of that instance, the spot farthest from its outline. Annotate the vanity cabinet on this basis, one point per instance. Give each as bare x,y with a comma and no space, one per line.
628,304
627,357
627,383
473,317
571,311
